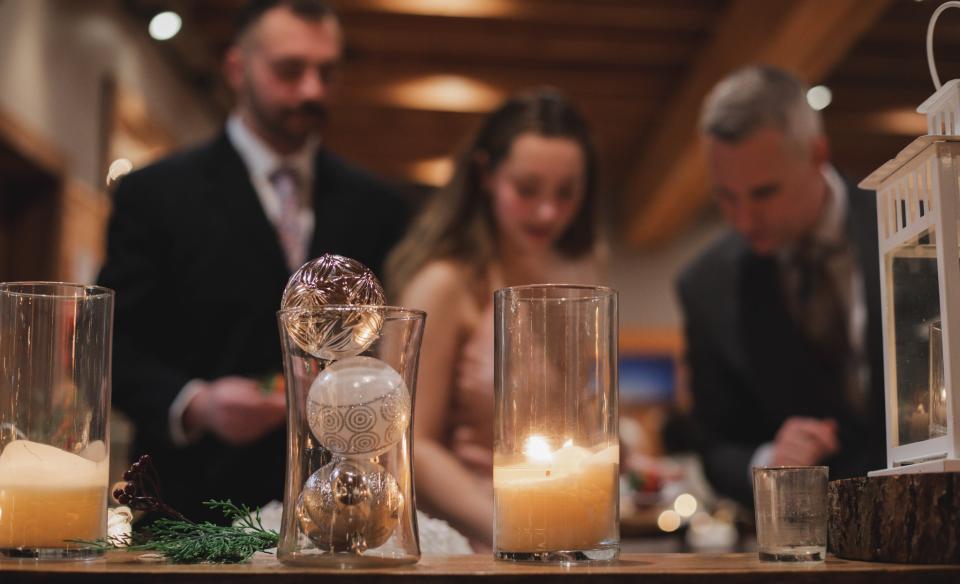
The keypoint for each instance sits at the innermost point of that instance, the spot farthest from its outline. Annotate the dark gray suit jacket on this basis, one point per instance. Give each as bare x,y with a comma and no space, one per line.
751,367
199,274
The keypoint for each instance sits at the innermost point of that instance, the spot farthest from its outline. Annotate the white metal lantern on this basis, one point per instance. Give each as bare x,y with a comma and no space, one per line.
918,212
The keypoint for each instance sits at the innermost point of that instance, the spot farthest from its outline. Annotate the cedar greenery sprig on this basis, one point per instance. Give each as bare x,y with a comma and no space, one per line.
185,542
180,540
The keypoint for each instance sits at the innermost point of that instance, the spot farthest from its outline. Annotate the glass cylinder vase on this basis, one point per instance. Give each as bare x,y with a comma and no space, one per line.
55,350
351,374
556,446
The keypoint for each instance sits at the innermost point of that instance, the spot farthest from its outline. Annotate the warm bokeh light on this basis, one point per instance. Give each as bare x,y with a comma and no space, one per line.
819,97
118,168
165,26
453,93
434,172
899,121
669,521
461,8
685,505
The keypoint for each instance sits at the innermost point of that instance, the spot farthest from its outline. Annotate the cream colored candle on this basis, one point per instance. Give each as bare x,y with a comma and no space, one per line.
48,495
563,500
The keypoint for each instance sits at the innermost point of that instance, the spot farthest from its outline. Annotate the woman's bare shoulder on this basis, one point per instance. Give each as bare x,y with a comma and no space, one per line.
439,280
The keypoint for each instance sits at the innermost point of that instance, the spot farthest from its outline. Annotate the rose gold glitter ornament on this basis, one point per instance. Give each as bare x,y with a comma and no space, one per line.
333,280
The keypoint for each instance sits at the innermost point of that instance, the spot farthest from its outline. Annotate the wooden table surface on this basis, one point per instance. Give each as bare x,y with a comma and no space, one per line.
642,568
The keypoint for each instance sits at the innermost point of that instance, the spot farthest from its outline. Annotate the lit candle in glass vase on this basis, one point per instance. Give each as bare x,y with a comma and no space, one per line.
51,498
55,350
564,499
556,449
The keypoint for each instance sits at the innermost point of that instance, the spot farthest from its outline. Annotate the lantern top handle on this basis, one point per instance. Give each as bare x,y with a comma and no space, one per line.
933,22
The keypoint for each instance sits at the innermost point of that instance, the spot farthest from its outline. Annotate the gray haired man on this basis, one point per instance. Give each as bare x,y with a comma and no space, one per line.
782,314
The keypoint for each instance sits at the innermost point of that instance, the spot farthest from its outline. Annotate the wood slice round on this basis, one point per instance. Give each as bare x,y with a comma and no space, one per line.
909,518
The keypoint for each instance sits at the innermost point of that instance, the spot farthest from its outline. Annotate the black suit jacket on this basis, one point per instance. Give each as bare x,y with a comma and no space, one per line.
199,274
751,367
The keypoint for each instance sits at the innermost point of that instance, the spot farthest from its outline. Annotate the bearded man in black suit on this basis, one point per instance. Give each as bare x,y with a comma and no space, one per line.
782,314
201,244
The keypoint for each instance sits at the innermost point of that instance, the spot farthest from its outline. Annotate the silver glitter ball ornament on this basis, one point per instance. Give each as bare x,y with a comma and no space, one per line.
352,505
307,526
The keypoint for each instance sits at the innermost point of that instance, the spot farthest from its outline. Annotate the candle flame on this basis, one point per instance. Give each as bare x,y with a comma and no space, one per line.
537,449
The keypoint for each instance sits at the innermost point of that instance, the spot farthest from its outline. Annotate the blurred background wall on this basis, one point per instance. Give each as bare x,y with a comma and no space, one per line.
77,77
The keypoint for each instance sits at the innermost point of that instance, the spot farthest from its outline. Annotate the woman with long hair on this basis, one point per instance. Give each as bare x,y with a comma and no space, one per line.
521,208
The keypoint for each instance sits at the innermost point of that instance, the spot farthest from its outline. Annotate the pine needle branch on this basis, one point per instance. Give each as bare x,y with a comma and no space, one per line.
185,542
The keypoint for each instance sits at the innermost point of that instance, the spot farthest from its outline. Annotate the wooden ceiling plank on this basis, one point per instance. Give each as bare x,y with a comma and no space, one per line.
372,77
893,122
412,128
669,184
612,111
910,67
535,45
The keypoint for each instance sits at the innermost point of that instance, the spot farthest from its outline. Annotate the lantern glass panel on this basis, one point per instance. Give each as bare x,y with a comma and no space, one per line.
918,354
938,386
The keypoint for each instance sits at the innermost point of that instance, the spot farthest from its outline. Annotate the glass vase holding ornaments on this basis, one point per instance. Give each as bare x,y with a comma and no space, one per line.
350,364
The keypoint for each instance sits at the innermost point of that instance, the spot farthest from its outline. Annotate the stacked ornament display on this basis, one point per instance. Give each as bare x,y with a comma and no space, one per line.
358,407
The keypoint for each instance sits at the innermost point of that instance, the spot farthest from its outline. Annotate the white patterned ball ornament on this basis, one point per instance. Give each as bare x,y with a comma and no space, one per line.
358,407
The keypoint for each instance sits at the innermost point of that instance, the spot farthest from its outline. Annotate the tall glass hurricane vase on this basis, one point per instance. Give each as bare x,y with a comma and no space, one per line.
55,349
556,447
349,497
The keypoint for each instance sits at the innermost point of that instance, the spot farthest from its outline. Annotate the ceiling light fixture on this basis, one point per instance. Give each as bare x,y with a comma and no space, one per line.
459,8
165,26
819,97
452,93
433,172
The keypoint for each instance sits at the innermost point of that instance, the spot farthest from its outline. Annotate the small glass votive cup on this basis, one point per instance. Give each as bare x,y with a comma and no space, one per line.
791,513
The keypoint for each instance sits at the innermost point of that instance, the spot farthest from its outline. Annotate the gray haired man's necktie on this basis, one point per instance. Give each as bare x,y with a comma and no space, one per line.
820,311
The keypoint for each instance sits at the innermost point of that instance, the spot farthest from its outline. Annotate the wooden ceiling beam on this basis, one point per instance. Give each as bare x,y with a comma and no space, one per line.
515,45
593,82
876,95
437,132
669,184
616,112
906,67
893,122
